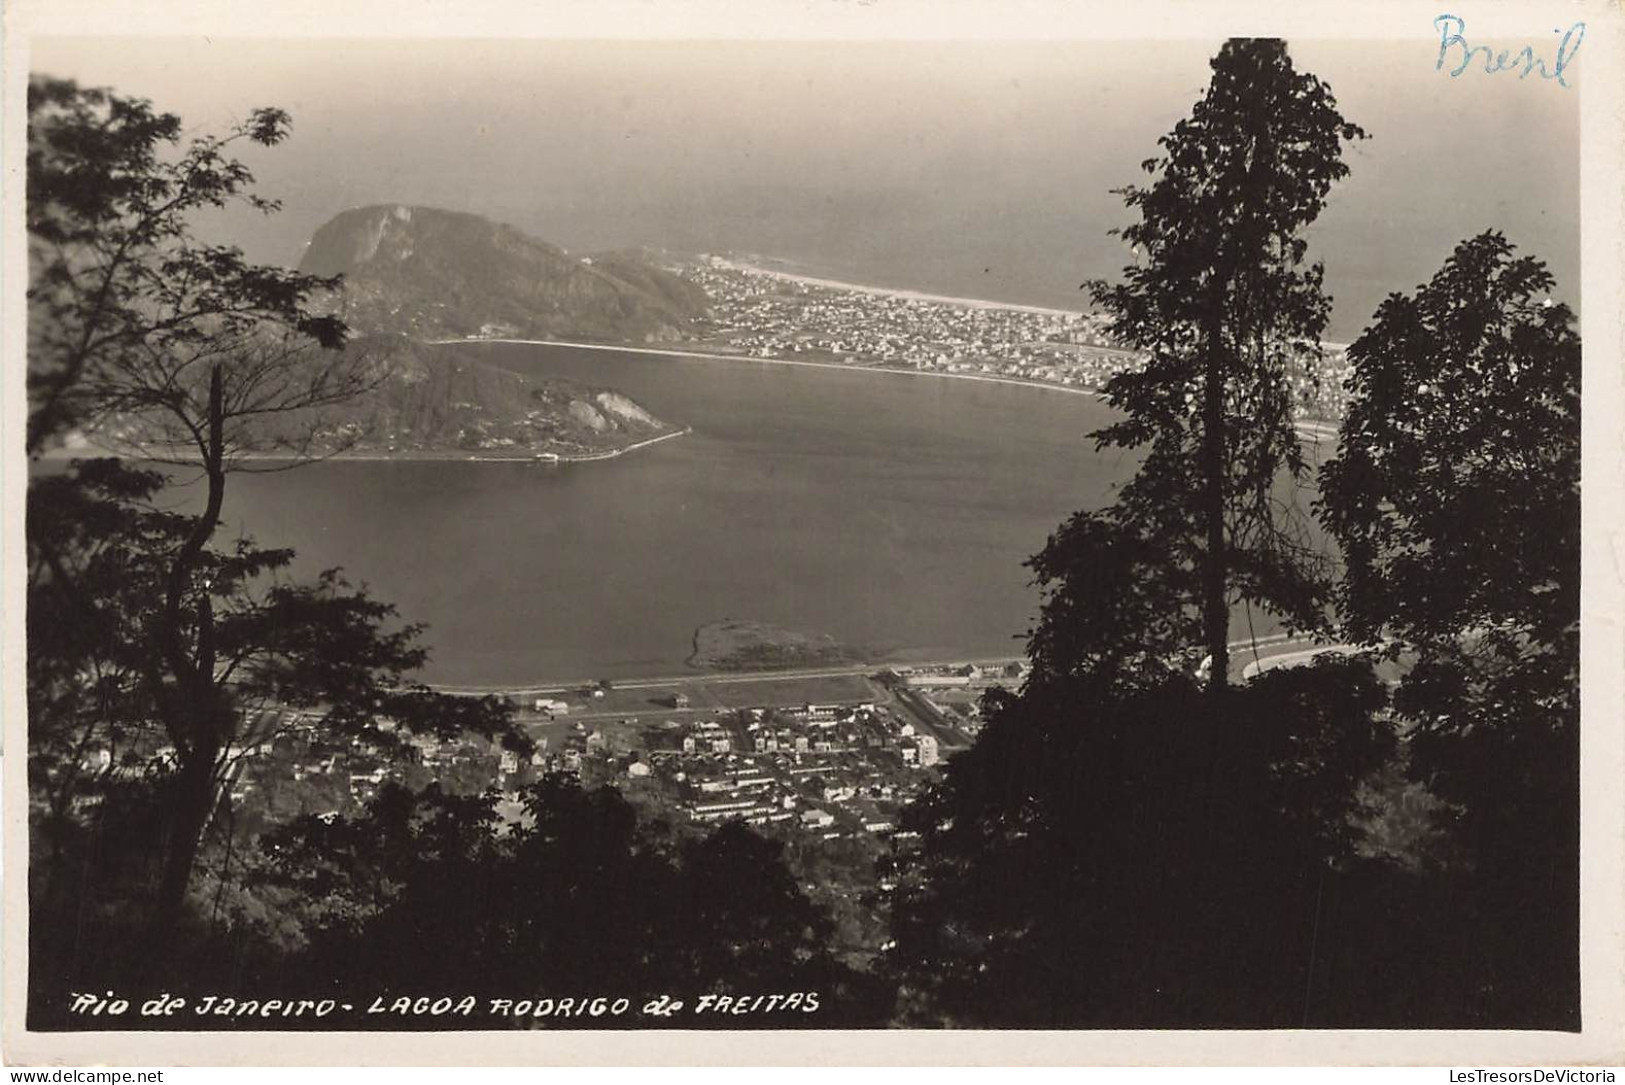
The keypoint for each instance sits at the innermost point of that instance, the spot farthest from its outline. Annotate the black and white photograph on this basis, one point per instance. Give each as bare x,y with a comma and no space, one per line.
1061,529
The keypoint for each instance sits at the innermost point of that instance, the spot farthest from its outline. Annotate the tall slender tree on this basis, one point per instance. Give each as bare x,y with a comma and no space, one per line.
175,349
116,274
1226,308
1126,845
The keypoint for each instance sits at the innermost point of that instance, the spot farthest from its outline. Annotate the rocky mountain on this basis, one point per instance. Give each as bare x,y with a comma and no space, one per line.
431,273
445,400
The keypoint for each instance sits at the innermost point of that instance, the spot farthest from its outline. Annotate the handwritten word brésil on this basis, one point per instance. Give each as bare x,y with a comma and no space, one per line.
1452,37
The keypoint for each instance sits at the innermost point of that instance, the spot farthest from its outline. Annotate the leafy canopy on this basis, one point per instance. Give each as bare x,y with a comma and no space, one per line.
116,275
1227,311
1455,495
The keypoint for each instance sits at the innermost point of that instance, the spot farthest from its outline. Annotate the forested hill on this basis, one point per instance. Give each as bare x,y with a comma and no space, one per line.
443,399
429,272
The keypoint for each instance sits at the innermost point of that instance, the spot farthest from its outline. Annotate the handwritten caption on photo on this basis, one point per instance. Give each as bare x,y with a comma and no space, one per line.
664,1007
1454,46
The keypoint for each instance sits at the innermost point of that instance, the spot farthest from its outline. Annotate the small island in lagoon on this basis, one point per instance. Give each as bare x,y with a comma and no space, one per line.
736,645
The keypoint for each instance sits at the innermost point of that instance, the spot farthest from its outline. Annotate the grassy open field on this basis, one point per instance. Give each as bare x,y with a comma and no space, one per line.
793,690
650,705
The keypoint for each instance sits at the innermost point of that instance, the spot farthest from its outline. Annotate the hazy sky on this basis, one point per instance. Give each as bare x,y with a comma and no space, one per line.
967,168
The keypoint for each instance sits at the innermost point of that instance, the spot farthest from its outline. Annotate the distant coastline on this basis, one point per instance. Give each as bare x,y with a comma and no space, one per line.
413,455
1315,430
854,368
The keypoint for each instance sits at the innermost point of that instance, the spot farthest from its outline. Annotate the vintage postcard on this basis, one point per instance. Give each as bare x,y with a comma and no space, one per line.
840,532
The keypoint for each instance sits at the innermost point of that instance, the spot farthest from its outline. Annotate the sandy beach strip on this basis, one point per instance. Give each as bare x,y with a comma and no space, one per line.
610,454
890,292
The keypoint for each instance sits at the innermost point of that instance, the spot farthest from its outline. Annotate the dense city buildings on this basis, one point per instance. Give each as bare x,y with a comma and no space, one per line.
835,769
769,314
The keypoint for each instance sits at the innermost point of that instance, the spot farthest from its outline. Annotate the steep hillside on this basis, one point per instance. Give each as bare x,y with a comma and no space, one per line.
432,273
445,400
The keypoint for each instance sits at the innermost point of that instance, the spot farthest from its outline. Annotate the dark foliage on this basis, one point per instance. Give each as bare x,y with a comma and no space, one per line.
116,277
158,660
112,803
1114,612
153,654
1456,497
1123,847
1156,857
430,893
1224,306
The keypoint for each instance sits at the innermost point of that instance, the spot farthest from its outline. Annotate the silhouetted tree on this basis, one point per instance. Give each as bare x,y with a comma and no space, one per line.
1140,858
1114,613
1126,845
1456,497
171,348
141,332
116,277
430,892
103,756
1224,306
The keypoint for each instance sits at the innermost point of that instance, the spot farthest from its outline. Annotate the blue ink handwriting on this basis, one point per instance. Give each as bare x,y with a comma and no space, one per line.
1450,28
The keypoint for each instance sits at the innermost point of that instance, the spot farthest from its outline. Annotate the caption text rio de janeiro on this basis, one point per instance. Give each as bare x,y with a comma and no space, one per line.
664,1006
1451,36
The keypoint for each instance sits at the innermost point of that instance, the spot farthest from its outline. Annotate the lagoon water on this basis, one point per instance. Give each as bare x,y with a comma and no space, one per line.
893,512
